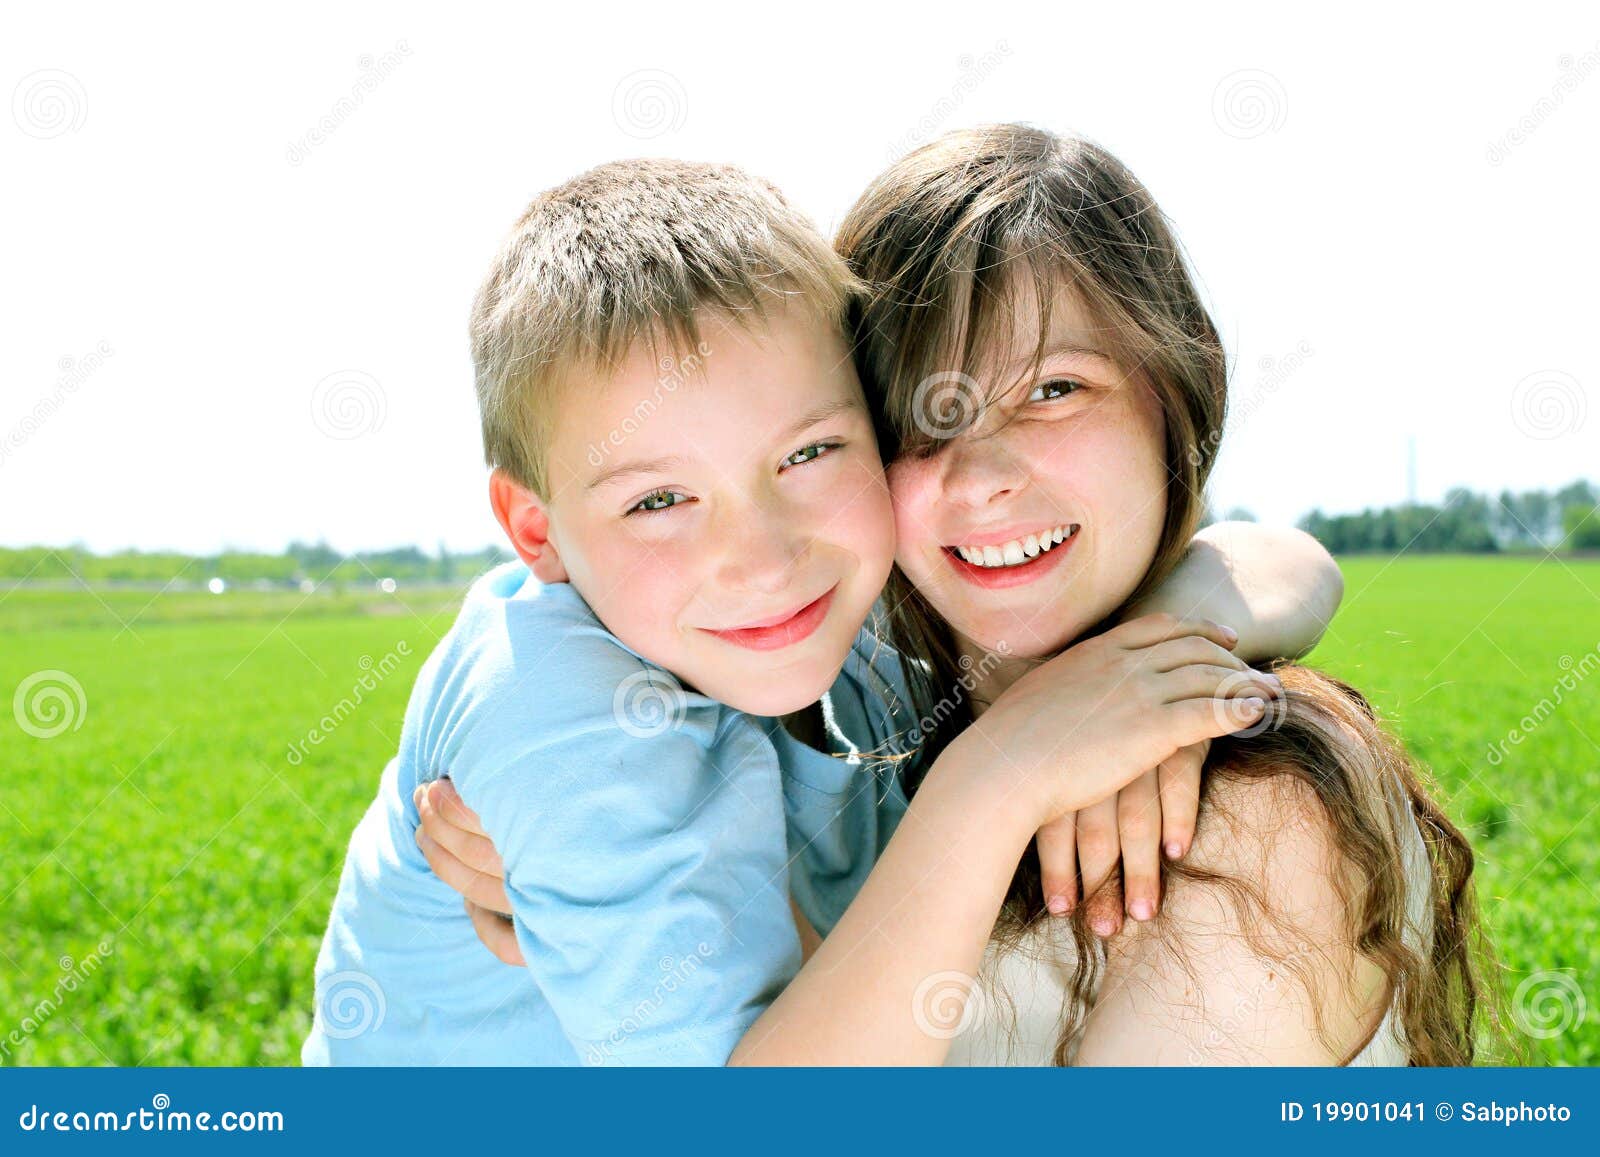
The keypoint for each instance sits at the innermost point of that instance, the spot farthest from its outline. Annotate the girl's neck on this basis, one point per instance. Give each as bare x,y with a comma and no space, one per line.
987,673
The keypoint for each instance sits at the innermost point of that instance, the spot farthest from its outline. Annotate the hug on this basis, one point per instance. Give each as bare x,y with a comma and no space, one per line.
877,697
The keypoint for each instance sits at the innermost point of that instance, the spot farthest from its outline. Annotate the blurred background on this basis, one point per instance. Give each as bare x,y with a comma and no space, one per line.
241,486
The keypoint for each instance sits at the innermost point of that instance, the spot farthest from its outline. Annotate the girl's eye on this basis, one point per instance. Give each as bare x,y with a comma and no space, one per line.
810,453
1054,388
659,500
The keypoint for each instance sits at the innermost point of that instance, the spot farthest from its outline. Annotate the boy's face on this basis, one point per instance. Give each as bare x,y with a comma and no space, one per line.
726,515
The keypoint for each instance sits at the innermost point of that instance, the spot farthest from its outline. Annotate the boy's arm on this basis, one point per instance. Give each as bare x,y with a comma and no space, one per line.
1278,587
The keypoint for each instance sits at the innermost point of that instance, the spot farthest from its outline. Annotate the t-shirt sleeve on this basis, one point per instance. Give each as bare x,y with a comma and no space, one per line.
643,836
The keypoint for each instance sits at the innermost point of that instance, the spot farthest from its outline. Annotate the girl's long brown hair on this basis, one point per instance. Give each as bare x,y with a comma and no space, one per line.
945,240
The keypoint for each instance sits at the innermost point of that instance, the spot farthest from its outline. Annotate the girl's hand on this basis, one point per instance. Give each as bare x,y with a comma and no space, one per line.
1152,816
1087,723
462,855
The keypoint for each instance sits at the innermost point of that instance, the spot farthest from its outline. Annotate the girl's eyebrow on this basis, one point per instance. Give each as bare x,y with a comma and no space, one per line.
1060,347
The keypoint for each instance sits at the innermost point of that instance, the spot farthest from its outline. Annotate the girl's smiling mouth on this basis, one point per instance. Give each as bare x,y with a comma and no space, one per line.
1013,561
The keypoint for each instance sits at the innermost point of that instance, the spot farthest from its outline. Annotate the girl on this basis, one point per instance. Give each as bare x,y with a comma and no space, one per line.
1051,393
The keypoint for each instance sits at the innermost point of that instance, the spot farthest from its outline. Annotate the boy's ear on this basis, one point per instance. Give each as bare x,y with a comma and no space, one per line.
523,516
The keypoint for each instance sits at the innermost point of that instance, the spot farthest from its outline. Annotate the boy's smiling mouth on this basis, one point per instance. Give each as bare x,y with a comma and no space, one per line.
1015,560
783,630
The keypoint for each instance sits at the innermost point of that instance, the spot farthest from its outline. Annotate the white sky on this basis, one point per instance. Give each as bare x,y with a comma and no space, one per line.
1353,207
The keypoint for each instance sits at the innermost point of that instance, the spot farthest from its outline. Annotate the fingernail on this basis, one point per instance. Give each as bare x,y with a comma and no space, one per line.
1174,850
416,794
1057,905
1254,706
1142,909
1103,925
1231,634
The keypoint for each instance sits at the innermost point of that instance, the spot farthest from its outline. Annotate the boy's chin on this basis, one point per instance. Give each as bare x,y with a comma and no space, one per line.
779,693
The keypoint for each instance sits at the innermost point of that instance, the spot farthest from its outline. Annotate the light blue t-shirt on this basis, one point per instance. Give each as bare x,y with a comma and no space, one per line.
651,837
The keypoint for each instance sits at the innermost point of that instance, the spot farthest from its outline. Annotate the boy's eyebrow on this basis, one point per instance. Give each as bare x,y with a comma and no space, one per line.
660,465
649,466
822,414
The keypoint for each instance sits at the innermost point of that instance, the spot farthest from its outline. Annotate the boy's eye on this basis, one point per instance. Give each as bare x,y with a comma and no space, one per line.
1054,388
658,500
810,453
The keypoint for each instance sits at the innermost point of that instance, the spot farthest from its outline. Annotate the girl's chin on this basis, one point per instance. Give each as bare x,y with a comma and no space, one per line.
1039,635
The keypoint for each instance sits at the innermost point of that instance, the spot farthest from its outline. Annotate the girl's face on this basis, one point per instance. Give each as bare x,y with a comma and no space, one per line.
1075,454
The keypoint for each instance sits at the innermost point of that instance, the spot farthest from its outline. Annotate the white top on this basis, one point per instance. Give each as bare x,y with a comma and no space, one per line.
1015,1016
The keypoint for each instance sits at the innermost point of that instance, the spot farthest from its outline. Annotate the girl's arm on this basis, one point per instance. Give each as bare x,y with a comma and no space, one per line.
882,987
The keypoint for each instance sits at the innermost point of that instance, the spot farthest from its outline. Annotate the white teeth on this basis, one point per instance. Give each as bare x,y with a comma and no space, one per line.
1017,551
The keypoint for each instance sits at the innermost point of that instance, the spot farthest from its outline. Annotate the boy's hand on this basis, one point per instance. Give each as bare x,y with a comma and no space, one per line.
1153,815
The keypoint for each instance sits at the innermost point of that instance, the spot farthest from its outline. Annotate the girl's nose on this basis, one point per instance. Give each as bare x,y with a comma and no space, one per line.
979,471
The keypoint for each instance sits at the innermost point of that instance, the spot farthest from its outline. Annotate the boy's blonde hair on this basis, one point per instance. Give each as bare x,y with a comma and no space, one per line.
631,250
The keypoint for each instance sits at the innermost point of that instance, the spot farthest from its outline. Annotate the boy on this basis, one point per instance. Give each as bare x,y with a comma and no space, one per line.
724,513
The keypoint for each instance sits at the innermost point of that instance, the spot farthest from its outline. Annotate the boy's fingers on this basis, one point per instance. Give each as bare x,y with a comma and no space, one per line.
497,935
1058,863
1139,828
1180,797
1099,852
476,851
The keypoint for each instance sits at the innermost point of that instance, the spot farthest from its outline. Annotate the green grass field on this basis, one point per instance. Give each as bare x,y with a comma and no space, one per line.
166,867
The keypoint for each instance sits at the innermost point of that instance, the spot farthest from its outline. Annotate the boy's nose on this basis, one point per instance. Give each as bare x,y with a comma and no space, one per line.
759,554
